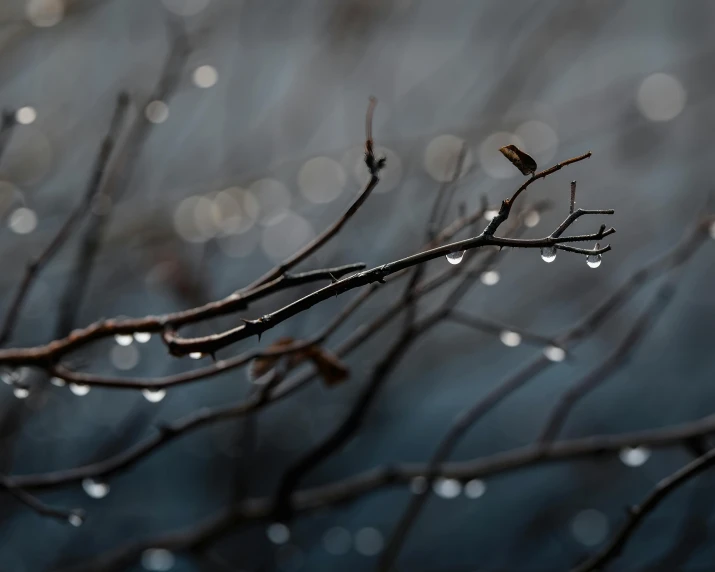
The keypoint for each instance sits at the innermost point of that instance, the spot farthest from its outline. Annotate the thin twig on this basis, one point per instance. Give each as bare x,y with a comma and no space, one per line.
466,420
356,486
7,124
641,327
636,514
374,165
71,224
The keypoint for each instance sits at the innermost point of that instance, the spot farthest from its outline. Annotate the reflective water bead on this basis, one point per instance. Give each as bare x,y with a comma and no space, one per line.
154,395
95,488
548,253
455,257
593,260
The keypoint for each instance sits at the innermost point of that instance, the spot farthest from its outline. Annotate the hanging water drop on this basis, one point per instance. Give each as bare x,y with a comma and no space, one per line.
474,489
21,392
75,519
57,382
154,395
142,337
79,389
196,355
555,353
95,488
593,260
455,257
124,339
510,339
548,253
634,456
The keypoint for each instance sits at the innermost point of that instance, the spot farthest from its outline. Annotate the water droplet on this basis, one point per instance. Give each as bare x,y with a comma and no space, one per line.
510,339
532,219
21,392
157,559
455,257
447,488
634,456
490,277
593,260
555,353
490,214
95,489
142,337
57,382
154,395
75,519
26,115
196,355
548,253
79,389
123,339
474,489
278,533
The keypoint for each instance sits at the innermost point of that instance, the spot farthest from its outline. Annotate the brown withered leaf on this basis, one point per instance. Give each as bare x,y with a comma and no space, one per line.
522,161
330,368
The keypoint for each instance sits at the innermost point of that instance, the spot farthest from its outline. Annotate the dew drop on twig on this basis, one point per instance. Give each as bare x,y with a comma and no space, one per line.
455,257
95,488
593,260
79,389
154,395
548,253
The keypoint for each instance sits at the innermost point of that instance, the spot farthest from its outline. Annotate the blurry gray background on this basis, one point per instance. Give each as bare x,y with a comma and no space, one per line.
271,104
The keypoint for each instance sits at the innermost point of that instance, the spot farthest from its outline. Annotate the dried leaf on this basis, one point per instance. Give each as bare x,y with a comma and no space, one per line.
331,369
522,161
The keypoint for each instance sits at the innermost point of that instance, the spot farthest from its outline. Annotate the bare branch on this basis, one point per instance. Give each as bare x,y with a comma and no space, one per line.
374,165
466,420
93,185
351,488
641,327
636,514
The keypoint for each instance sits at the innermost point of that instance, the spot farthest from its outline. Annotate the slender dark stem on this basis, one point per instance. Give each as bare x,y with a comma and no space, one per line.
469,417
7,124
294,474
38,506
641,327
572,205
333,229
638,513
72,223
356,486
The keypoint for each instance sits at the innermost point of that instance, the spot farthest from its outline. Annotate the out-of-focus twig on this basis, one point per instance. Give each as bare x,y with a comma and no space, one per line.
71,224
638,513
